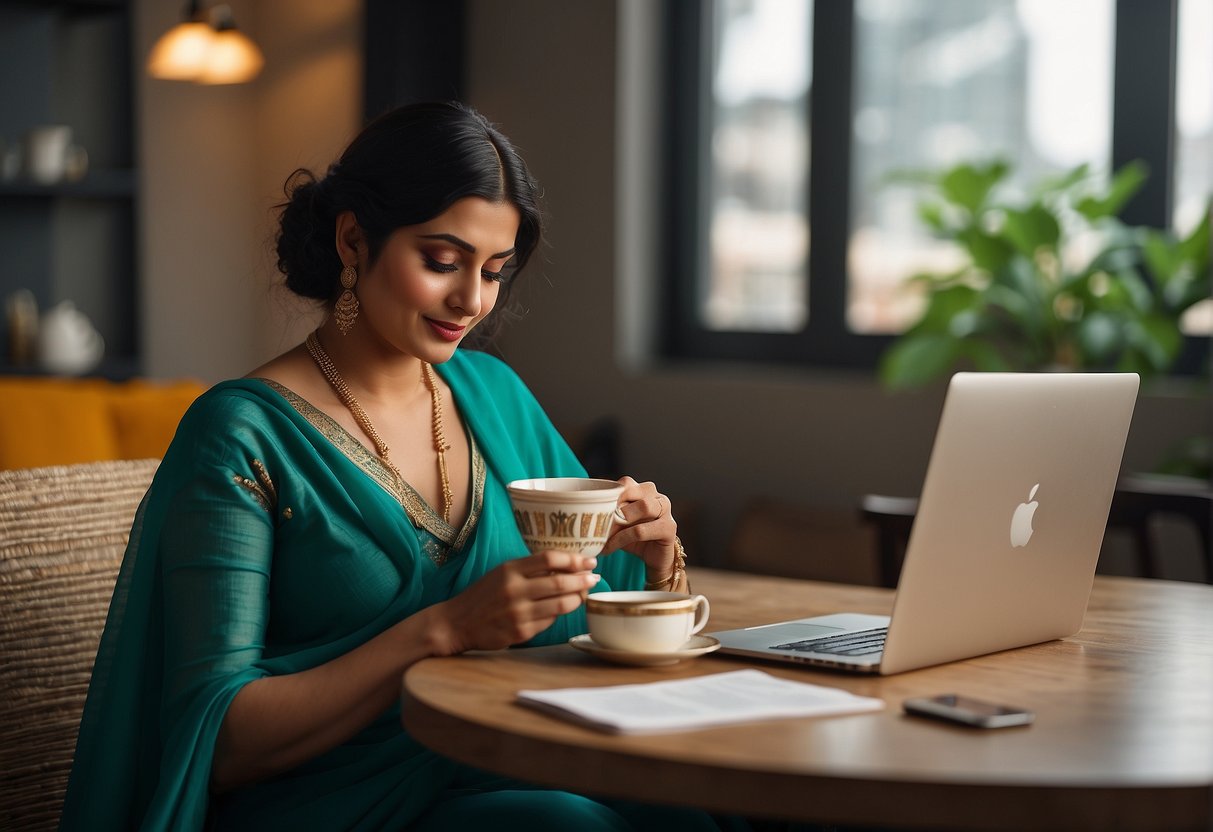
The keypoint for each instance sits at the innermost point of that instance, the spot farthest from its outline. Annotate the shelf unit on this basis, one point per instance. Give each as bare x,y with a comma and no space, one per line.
70,62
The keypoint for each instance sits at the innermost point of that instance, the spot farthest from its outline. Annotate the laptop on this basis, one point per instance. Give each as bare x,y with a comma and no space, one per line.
1007,533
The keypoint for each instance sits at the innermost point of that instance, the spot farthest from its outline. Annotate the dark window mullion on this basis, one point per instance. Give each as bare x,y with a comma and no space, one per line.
828,340
830,170
683,157
1143,106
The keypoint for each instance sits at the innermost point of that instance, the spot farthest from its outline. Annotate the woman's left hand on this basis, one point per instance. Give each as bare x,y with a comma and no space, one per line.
649,532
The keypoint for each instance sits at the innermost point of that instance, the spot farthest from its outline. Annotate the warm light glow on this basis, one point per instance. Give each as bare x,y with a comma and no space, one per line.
233,59
213,52
181,54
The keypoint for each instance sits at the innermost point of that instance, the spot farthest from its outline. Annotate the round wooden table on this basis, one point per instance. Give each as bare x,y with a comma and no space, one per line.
1123,736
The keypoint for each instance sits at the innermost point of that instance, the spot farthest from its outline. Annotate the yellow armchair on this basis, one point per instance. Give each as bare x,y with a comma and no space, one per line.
52,421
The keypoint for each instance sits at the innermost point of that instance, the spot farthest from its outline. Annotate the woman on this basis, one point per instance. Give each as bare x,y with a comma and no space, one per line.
340,513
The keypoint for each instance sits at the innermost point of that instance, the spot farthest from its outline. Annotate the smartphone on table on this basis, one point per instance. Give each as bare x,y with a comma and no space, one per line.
968,711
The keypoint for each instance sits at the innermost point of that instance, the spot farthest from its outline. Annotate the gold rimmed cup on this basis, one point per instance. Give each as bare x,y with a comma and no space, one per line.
645,621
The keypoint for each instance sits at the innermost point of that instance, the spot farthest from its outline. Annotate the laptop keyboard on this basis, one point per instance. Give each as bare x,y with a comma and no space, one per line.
863,643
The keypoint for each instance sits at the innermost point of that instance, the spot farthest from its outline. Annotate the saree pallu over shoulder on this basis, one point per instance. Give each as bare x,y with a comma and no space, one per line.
262,549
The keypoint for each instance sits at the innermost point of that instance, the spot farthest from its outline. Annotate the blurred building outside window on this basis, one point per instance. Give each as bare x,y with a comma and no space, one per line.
758,222
1194,133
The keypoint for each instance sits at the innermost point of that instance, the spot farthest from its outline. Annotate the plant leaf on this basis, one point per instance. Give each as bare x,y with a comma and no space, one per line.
1196,245
1064,182
968,185
989,252
1010,301
1100,337
985,356
1194,290
1031,229
1162,256
942,306
915,360
1125,183
931,213
1022,276
1121,254
938,280
1133,361
1156,338
1138,291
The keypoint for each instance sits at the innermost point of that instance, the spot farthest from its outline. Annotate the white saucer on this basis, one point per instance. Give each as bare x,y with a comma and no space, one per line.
696,646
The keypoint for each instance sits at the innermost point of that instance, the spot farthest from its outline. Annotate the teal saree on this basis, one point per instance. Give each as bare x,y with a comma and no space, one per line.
265,546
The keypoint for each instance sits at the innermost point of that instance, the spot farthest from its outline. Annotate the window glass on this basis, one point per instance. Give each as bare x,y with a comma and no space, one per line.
1193,114
758,229
938,82
1194,133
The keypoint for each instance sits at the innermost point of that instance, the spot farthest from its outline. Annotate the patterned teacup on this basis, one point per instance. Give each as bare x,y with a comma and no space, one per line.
570,513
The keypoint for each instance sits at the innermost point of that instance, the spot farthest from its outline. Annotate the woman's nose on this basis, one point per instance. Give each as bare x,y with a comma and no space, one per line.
466,295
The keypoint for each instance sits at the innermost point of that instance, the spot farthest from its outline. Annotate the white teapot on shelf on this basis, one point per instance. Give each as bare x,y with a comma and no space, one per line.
68,343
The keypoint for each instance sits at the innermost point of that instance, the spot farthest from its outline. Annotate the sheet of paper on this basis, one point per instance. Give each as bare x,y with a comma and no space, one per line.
700,702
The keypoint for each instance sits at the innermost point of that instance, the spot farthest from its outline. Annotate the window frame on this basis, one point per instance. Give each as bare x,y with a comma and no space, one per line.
1143,127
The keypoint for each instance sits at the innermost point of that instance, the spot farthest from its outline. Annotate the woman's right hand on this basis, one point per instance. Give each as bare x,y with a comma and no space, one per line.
514,602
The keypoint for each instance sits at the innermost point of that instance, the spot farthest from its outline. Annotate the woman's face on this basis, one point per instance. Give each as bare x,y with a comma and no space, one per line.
433,282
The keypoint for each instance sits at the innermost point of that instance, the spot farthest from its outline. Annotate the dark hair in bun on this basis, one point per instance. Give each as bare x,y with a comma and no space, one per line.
405,168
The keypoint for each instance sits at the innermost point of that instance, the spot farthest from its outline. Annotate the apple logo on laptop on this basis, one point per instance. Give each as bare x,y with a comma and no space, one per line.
1021,521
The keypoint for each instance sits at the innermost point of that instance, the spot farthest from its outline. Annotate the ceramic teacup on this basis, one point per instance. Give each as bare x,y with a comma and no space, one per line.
570,513
645,622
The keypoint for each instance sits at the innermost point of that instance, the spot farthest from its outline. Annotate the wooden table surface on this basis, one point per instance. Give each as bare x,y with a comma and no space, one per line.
1123,736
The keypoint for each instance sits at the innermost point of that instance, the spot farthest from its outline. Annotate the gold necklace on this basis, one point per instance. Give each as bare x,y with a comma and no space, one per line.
329,370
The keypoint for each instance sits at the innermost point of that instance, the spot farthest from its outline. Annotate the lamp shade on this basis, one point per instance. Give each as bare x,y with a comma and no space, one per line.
233,59
182,52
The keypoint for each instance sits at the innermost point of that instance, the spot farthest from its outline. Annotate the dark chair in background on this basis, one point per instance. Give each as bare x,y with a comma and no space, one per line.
1137,503
892,517
1141,499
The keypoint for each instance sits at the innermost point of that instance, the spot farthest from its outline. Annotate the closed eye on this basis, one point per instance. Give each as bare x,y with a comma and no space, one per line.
438,266
505,272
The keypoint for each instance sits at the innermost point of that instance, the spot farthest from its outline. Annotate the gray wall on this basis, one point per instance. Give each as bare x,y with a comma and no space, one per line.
212,164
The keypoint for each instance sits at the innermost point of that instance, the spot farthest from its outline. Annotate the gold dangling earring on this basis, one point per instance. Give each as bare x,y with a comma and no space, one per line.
346,310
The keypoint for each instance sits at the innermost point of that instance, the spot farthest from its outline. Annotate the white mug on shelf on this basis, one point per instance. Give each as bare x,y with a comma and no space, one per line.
68,343
51,157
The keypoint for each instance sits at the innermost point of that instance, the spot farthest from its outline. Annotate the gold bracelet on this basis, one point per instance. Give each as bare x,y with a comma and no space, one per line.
678,572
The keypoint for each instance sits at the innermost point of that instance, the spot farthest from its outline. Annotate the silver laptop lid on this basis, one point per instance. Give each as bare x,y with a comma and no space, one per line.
1011,516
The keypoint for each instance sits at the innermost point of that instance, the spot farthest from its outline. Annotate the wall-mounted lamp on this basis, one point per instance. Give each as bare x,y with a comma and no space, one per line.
206,48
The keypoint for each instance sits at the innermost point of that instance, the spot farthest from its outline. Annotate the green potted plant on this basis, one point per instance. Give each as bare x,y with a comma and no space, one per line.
1050,281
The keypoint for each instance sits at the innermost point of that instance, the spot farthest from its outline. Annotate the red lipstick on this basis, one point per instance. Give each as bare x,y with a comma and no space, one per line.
446,331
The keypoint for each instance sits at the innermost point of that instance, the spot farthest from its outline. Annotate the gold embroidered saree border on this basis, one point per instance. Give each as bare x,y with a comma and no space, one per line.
419,512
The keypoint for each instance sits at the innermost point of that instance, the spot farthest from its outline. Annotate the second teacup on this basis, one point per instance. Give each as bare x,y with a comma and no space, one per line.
645,621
